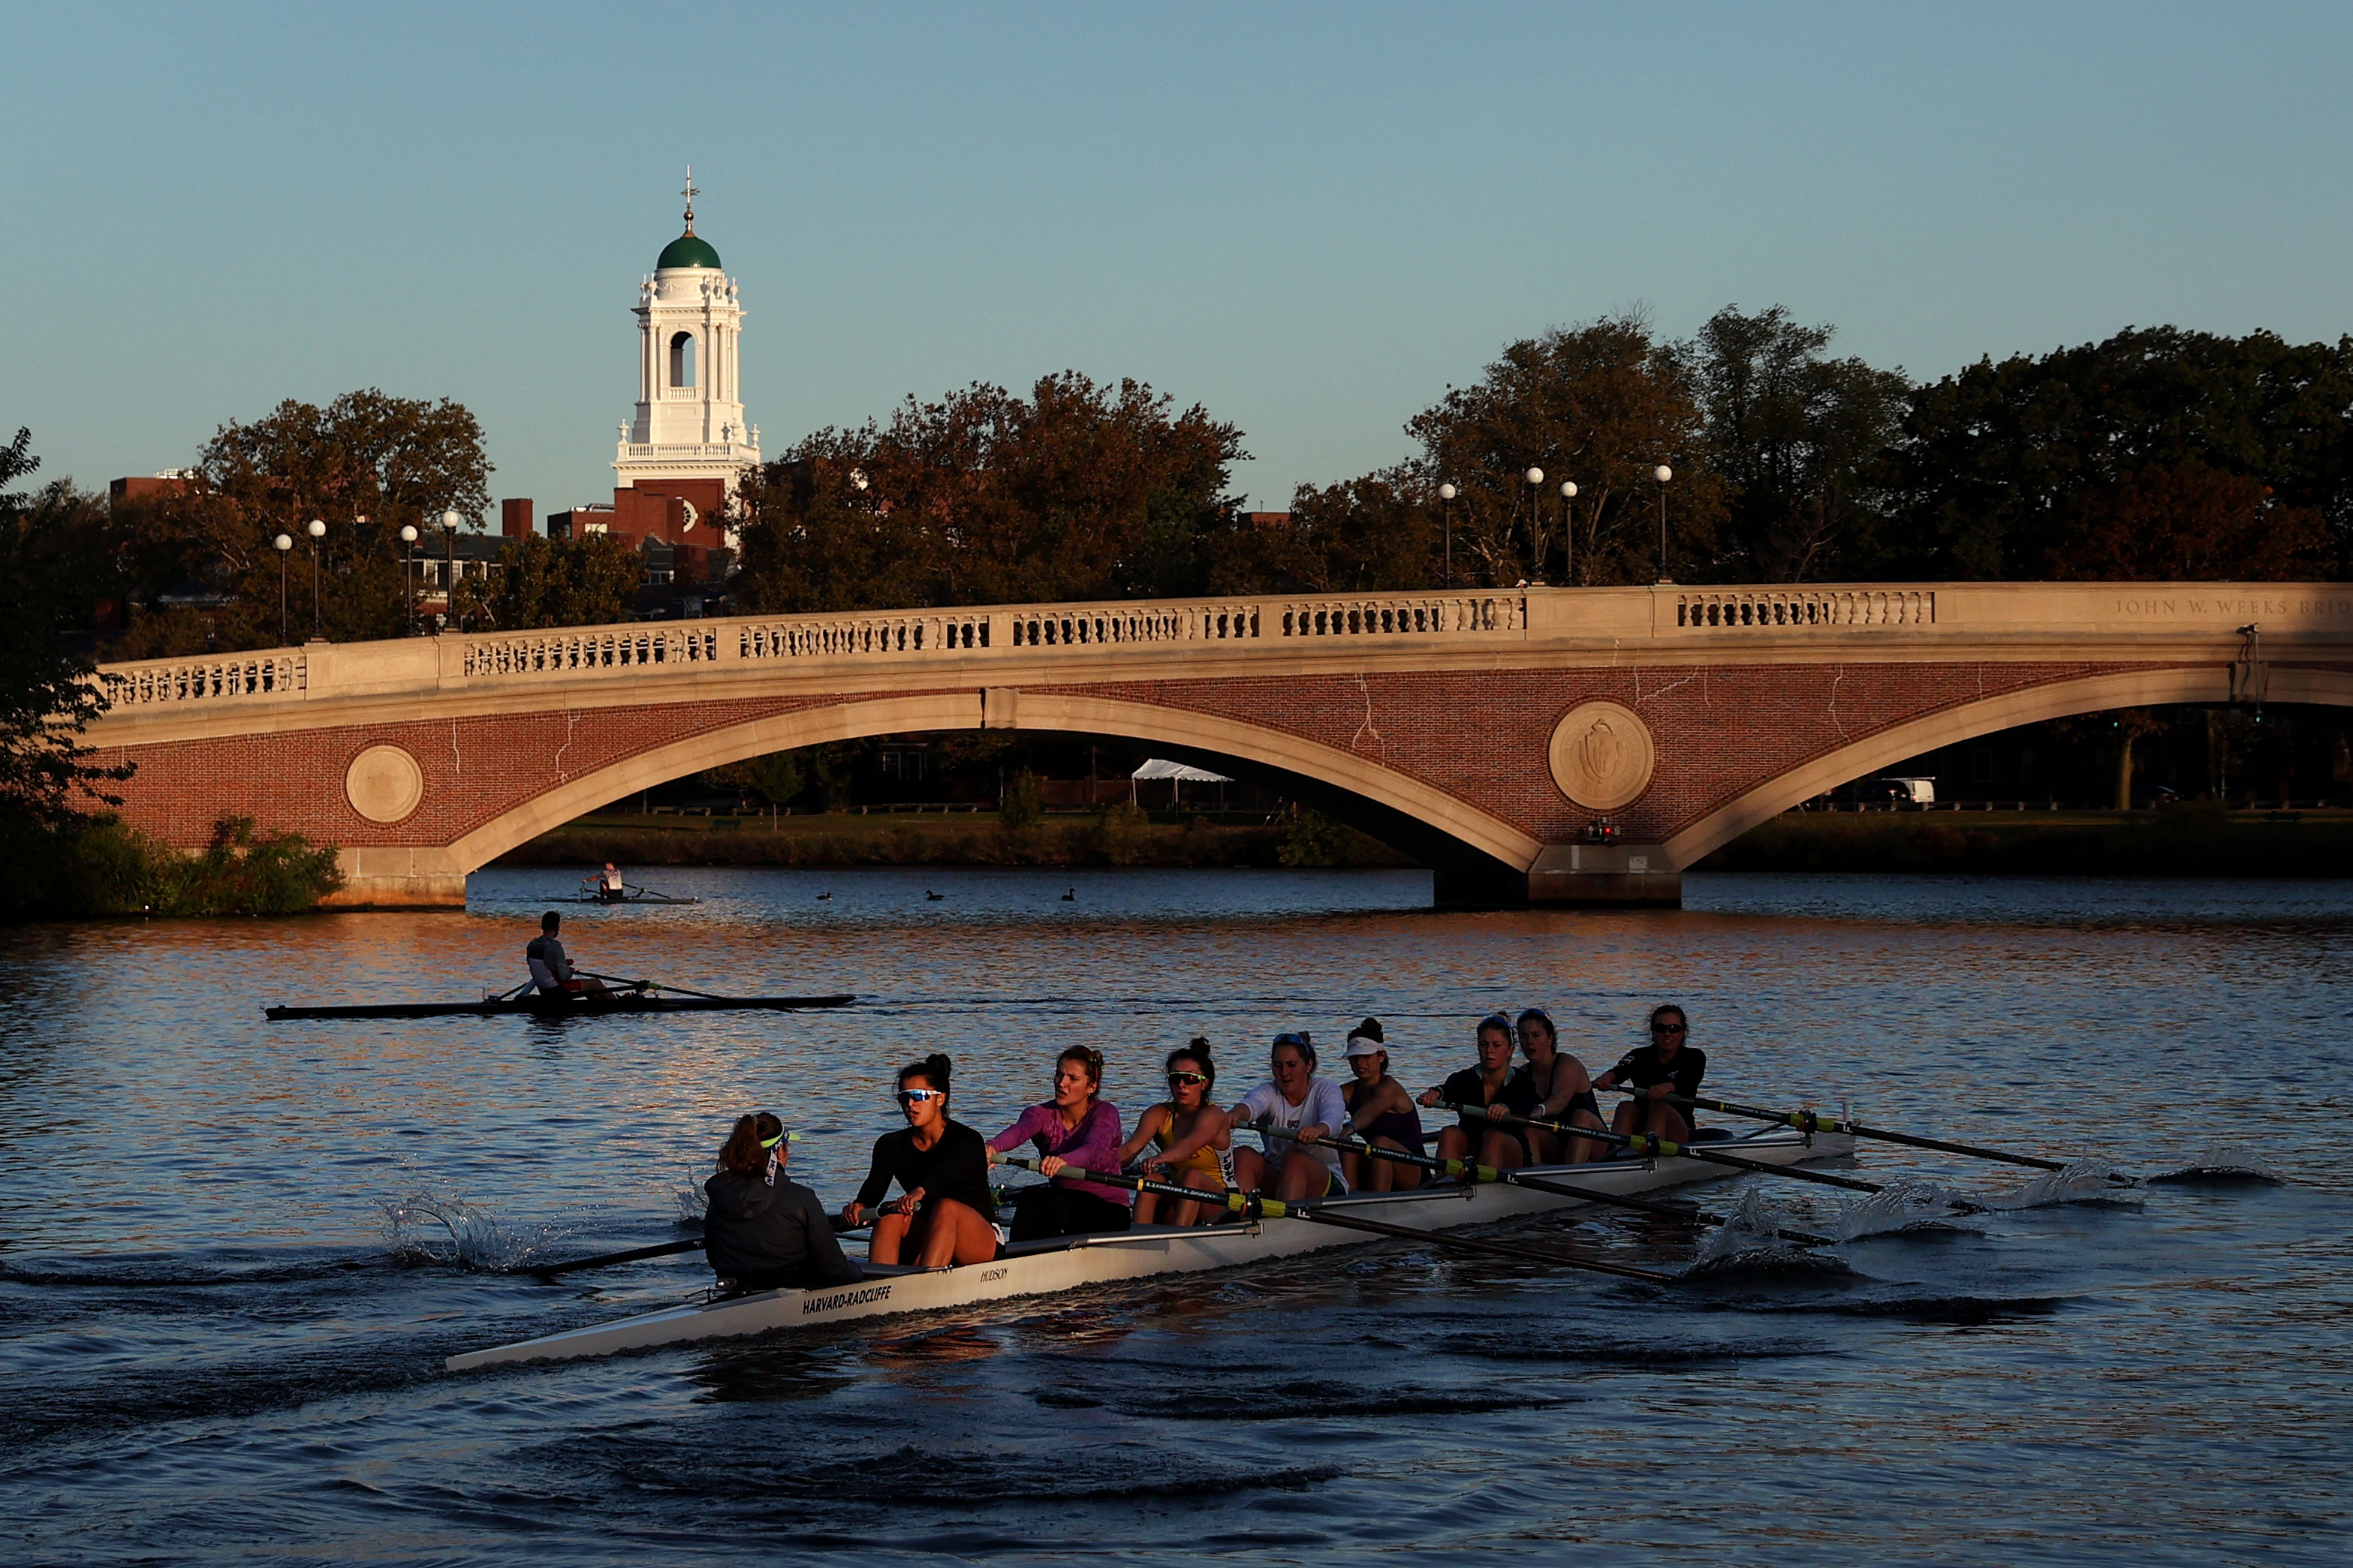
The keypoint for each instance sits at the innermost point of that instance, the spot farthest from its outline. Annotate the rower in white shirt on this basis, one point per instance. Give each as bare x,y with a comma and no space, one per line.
1294,1098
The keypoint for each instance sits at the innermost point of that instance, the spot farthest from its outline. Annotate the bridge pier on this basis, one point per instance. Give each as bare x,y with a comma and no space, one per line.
393,879
1571,874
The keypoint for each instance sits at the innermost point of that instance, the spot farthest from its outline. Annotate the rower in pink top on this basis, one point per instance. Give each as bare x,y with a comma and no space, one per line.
1076,1129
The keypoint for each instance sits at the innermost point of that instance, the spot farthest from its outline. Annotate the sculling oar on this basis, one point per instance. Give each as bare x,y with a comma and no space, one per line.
1814,1121
652,985
1646,1143
1254,1207
1477,1173
664,1251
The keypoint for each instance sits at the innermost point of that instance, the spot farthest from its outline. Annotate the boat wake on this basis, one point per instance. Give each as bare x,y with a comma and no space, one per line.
2221,1164
431,1228
1749,1243
2085,1181
1905,1206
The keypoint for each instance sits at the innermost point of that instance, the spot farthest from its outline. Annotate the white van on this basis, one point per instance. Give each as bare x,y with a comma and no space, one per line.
1919,792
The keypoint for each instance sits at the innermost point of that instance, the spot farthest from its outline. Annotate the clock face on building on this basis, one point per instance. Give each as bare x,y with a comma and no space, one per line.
691,513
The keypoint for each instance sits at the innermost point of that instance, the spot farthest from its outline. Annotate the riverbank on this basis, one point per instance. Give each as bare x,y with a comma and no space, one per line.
2177,841
845,839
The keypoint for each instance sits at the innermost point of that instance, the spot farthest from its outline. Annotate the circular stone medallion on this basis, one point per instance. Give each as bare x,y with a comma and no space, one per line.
384,783
1602,755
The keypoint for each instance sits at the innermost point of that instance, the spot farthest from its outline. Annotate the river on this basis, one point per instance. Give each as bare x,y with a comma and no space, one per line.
232,1254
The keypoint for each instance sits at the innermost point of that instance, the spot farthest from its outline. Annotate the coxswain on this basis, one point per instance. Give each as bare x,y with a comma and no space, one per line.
761,1231
611,886
1191,1144
1563,1093
942,1214
1293,1098
1665,1066
1493,1085
1380,1112
551,974
1076,1130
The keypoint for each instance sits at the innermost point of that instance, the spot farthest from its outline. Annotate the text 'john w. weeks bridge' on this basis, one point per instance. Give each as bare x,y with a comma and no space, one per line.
1486,732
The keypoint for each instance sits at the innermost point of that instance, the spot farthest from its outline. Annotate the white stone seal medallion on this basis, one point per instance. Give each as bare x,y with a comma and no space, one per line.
384,783
1602,755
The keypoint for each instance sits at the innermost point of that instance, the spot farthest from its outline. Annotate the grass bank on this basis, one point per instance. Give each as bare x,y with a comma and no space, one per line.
2179,841
1117,837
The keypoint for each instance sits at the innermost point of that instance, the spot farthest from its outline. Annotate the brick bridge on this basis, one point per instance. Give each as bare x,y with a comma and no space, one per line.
1485,733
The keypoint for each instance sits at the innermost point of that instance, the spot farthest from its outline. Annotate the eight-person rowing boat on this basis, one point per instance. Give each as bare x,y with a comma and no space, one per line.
1177,1195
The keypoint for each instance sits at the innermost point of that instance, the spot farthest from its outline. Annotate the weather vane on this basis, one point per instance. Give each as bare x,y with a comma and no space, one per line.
690,193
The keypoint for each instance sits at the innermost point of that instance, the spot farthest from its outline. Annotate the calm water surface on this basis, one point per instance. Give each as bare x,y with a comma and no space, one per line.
217,1348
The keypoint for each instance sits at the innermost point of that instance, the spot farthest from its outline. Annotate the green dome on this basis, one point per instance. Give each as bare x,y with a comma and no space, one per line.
688,250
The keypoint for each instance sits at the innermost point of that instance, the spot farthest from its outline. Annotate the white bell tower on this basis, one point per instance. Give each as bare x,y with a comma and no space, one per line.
689,420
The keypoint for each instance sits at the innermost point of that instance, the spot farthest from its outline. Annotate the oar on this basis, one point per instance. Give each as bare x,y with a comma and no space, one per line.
1254,1206
1813,1121
510,995
1477,1173
664,1251
1644,1143
652,985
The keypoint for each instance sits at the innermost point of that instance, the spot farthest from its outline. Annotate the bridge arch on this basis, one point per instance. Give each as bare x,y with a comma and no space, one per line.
1437,827
2060,699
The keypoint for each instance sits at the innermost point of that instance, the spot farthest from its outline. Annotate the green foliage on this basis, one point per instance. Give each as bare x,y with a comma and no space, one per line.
563,581
778,776
96,867
1080,491
1024,805
1310,839
1120,833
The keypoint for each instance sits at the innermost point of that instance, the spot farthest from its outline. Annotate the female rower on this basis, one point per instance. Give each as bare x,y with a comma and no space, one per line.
1293,1098
1074,1128
1381,1112
1562,1091
761,1231
942,1169
1665,1066
1192,1144
1492,1084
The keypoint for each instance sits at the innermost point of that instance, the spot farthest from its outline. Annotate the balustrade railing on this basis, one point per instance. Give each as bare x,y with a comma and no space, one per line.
1393,616
1802,607
589,647
160,683
836,637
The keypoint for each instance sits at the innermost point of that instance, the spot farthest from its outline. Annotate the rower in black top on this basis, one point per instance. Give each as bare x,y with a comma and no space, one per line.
551,968
942,1169
1666,1066
761,1230
1495,1084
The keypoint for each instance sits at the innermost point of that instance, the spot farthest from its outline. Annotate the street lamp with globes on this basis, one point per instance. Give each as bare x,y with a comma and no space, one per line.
1663,474
1568,530
1535,523
317,530
450,522
409,577
1446,494
284,542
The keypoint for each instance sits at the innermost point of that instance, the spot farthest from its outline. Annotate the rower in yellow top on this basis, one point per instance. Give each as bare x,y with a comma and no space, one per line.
551,974
1192,1143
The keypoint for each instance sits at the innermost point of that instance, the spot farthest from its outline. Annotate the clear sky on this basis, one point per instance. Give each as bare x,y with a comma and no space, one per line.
1309,218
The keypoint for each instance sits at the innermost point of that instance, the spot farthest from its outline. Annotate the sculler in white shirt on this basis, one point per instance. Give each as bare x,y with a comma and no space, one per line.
1293,1098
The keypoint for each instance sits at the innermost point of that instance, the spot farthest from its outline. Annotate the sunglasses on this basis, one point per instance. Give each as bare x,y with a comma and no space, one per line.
1181,1078
1670,1028
917,1095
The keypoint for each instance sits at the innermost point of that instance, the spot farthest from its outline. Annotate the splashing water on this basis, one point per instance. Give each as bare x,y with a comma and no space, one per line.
1749,1241
1905,1203
427,1227
2221,1163
692,1205
2085,1182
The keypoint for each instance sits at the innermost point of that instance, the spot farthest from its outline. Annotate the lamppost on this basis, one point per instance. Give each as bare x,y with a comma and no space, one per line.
449,521
317,530
1535,524
408,578
285,541
1568,530
1663,474
1446,510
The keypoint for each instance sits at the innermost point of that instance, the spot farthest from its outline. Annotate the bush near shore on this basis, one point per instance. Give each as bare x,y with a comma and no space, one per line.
2179,841
1120,836
96,867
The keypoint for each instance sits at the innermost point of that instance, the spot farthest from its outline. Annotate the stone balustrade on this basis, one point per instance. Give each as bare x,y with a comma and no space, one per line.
166,682
1826,608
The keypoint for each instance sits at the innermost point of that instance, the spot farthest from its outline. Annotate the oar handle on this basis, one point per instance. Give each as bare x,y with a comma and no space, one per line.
635,1253
1248,1205
1814,1121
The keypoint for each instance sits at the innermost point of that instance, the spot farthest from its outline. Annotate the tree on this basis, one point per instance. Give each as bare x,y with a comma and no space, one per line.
1796,436
563,581
1600,406
2188,522
1080,491
1998,471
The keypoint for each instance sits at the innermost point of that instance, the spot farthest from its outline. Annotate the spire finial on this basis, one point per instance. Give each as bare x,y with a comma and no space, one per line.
690,193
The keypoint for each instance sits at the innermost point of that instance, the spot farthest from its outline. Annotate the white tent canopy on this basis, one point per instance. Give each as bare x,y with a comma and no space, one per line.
1161,768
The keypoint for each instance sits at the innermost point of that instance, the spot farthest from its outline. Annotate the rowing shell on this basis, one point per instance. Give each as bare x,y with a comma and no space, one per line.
578,1005
1069,1262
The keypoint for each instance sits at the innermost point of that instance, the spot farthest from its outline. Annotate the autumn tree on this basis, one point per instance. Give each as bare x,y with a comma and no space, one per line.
563,582
1078,491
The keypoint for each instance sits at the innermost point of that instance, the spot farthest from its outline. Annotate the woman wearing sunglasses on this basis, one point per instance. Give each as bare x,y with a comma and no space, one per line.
1078,1130
1293,1098
1192,1145
761,1231
942,1169
1381,1112
1665,1066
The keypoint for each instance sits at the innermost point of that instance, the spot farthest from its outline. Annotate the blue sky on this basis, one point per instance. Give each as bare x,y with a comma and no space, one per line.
1309,218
